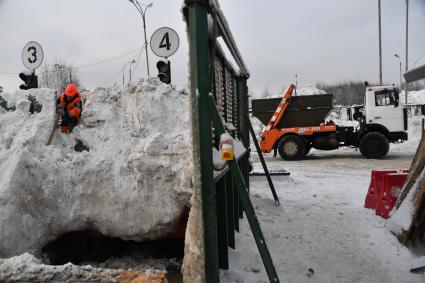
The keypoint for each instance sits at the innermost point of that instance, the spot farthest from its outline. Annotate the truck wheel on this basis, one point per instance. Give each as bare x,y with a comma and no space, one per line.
292,148
374,145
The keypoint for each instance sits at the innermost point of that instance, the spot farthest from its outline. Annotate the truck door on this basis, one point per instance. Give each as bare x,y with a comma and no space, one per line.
387,110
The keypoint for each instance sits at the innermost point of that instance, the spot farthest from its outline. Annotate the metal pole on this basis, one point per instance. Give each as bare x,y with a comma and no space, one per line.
400,76
130,74
146,42
143,13
407,47
380,43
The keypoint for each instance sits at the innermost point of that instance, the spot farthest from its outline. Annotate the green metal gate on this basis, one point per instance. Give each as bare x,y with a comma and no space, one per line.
220,95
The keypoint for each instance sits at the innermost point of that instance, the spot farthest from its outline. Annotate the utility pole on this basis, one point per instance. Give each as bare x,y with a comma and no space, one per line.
380,43
123,68
143,13
146,42
129,69
407,47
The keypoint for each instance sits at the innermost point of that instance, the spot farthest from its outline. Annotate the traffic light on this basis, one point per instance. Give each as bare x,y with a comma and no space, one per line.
29,78
164,71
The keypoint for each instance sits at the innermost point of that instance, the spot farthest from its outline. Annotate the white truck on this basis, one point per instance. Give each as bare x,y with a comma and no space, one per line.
297,124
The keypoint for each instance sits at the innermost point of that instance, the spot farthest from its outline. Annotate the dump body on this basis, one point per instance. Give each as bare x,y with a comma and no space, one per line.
309,110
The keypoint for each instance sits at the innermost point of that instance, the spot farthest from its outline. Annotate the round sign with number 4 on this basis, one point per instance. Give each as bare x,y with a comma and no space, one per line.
32,55
164,42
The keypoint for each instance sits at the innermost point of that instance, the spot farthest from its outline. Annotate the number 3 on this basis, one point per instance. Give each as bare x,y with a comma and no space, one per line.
33,54
165,42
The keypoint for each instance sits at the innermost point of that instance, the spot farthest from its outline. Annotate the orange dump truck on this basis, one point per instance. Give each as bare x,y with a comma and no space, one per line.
296,124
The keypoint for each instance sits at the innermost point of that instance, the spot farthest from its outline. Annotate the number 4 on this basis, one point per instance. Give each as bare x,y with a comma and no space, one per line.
165,42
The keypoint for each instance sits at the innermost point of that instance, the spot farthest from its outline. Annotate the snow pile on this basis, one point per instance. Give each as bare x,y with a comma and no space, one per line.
414,97
27,268
309,90
306,90
401,218
134,182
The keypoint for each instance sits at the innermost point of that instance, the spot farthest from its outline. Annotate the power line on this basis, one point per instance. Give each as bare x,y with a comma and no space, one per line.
91,64
138,58
120,70
107,60
420,58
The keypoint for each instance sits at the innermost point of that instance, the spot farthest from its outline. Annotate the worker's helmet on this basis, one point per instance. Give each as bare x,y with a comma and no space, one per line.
71,90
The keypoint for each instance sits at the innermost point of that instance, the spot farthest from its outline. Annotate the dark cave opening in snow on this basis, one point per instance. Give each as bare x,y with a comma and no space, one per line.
92,246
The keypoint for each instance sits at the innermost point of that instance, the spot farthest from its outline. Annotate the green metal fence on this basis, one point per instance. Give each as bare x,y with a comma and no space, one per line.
220,95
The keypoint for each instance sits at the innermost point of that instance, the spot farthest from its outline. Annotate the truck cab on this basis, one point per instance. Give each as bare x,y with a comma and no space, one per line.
384,110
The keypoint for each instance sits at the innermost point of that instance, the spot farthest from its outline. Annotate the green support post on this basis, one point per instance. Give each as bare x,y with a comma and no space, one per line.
200,87
244,109
236,207
245,201
263,163
230,211
223,252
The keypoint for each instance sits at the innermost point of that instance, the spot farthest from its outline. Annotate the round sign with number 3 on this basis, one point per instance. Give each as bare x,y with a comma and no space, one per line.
164,42
32,55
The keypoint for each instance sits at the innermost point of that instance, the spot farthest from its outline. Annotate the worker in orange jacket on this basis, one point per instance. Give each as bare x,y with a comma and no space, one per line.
69,106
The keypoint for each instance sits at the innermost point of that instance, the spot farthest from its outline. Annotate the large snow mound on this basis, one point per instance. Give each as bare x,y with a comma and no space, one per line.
134,182
414,97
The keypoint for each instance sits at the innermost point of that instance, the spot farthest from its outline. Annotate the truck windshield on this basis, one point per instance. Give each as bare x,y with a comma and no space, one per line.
386,97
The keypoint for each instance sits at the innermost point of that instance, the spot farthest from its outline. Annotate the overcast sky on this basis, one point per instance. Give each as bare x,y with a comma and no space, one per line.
326,40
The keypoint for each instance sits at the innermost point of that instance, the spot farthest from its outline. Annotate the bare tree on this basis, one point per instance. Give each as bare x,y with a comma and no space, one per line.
344,93
58,75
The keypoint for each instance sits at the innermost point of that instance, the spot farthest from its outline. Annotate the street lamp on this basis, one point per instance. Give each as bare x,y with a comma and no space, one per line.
380,42
407,45
143,13
123,68
399,59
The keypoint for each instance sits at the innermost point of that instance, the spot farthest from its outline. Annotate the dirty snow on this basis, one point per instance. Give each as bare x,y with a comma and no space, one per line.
27,268
139,164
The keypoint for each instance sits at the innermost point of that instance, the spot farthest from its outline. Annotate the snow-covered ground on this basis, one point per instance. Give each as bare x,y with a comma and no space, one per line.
321,232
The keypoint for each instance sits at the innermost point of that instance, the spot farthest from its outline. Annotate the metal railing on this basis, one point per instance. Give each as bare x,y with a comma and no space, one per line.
220,104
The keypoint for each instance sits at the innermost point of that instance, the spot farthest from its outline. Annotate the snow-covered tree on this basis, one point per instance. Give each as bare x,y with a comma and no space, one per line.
58,75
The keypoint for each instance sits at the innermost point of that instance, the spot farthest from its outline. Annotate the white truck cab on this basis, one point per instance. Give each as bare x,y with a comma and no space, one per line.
383,107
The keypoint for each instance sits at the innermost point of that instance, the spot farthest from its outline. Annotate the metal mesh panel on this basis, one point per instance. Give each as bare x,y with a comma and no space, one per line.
229,96
226,93
236,107
219,86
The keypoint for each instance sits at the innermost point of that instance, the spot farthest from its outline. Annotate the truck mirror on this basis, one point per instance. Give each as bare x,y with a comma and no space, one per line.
396,99
350,117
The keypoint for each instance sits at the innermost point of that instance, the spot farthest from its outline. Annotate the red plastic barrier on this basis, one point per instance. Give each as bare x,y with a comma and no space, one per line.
391,189
377,178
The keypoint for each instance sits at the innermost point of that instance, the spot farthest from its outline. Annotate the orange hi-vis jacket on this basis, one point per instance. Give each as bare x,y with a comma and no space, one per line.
73,107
